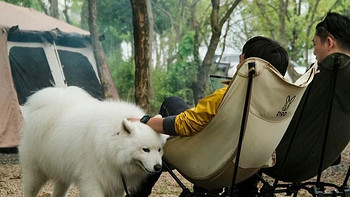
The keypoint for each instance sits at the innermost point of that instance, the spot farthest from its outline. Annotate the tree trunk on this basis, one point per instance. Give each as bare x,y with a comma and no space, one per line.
158,49
142,67
84,15
151,28
282,19
65,12
308,30
108,87
54,8
198,86
265,15
150,41
43,7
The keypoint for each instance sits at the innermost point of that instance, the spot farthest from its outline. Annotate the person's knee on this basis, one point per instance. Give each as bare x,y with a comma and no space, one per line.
172,99
172,106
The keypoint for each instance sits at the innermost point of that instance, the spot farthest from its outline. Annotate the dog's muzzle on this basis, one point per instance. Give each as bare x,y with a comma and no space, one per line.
157,168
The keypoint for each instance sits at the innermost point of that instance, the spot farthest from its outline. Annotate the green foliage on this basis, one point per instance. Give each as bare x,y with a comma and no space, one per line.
75,8
296,29
25,3
162,21
178,78
175,22
160,91
166,84
186,46
123,73
115,22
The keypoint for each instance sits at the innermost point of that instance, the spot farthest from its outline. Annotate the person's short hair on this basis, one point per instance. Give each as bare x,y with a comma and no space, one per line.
335,25
268,50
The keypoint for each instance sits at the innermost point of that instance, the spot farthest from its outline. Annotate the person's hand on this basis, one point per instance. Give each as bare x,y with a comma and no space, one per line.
133,119
156,123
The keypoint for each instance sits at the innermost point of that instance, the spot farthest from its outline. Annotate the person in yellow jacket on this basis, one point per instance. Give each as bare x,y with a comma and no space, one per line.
180,120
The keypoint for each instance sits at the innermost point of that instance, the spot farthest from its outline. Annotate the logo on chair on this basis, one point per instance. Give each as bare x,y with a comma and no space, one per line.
289,100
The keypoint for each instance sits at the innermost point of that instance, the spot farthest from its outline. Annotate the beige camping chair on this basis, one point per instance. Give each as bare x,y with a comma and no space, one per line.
207,159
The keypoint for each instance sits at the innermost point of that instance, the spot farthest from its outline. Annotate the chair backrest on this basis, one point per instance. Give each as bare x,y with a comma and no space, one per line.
303,159
207,158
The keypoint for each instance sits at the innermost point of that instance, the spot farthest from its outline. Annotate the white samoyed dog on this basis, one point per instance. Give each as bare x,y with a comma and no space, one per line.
70,137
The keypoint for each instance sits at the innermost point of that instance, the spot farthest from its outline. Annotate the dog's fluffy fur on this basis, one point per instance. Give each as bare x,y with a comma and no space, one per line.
69,137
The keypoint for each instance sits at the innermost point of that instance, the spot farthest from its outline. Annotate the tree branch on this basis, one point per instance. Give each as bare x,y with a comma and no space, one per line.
228,13
172,21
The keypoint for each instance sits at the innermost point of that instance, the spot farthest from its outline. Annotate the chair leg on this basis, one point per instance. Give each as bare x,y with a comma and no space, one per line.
345,188
317,192
174,176
346,179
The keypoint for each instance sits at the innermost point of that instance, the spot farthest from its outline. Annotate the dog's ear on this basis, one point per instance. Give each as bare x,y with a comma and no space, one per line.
127,126
164,138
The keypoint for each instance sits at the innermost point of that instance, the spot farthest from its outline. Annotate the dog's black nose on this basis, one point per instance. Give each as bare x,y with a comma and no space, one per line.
157,167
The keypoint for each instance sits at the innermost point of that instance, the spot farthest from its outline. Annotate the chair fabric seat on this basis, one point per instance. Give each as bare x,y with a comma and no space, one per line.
207,159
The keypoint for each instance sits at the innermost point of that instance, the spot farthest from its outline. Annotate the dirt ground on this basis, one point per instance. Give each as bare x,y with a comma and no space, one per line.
10,180
10,184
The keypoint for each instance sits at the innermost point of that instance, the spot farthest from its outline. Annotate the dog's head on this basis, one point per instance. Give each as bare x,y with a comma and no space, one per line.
146,145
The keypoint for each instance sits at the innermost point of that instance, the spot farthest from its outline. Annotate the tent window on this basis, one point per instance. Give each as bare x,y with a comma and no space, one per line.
79,72
30,71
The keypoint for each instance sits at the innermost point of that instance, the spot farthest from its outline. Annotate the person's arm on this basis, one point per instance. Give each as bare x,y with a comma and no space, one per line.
156,123
194,120
191,121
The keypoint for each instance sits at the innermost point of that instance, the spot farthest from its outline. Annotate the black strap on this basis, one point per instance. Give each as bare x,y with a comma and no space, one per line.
124,184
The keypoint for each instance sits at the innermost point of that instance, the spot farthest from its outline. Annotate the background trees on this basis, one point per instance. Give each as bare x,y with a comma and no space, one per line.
142,51
184,36
102,65
291,22
217,21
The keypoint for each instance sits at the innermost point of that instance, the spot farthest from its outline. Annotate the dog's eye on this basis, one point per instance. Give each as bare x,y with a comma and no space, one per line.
159,150
146,150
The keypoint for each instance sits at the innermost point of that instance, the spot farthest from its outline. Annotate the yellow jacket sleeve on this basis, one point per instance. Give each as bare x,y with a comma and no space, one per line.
195,119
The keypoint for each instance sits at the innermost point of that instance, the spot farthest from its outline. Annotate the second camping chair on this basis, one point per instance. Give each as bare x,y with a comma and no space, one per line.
318,132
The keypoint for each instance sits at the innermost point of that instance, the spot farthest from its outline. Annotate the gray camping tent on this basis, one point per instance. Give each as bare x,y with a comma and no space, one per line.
37,51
